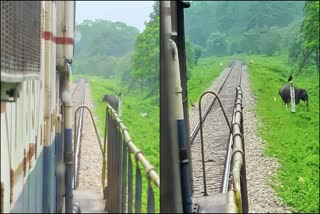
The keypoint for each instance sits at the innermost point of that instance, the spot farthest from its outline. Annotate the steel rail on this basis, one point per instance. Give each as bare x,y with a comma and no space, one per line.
195,131
74,90
77,137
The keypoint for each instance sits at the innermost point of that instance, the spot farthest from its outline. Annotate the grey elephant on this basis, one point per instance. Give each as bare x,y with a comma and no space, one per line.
112,100
299,93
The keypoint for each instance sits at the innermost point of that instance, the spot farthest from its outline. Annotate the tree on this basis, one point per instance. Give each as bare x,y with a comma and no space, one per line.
155,12
234,48
197,53
217,44
250,42
145,61
296,48
270,42
104,38
234,18
310,33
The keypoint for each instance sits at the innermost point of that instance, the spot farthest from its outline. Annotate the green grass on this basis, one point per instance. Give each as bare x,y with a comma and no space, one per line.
293,138
144,131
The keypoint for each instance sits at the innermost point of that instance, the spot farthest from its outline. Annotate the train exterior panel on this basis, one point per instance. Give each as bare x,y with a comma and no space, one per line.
32,163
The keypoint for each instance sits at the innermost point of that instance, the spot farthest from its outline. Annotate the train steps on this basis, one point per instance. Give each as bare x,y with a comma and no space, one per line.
89,201
214,203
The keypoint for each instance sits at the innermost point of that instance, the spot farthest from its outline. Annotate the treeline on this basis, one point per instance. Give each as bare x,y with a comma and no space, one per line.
103,48
261,27
226,27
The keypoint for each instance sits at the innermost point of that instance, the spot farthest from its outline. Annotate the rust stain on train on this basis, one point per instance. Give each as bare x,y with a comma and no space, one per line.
3,107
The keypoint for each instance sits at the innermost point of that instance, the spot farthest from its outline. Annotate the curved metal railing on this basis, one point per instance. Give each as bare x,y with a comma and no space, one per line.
201,135
77,137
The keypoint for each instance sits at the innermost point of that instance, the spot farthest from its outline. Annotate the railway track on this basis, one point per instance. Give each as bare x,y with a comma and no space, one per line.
78,98
216,136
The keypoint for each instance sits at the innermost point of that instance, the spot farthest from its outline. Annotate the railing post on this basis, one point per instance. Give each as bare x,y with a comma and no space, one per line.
150,203
124,177
130,189
118,165
137,206
107,189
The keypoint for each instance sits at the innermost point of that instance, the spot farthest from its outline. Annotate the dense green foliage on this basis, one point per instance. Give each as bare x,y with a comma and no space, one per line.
145,61
229,27
104,38
145,67
308,42
104,48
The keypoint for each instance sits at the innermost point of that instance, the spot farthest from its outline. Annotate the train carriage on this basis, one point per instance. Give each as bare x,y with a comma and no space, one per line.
36,53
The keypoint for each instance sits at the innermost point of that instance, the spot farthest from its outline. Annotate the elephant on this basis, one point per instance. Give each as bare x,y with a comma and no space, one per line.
300,94
112,100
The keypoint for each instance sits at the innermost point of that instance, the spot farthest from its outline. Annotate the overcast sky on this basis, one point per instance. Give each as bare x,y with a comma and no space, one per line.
133,13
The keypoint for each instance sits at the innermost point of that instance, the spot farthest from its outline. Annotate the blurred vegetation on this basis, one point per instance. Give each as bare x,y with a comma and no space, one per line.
270,28
103,48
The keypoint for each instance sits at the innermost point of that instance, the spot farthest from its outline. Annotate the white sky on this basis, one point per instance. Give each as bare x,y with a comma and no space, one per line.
133,13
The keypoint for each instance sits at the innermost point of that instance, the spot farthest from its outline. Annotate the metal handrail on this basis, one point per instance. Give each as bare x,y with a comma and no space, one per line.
120,147
150,170
195,131
99,141
201,134
237,198
77,141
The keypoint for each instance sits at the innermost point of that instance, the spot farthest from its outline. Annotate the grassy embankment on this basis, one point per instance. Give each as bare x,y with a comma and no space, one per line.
293,138
144,131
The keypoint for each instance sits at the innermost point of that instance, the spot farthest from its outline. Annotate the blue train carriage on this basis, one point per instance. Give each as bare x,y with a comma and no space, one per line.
36,50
